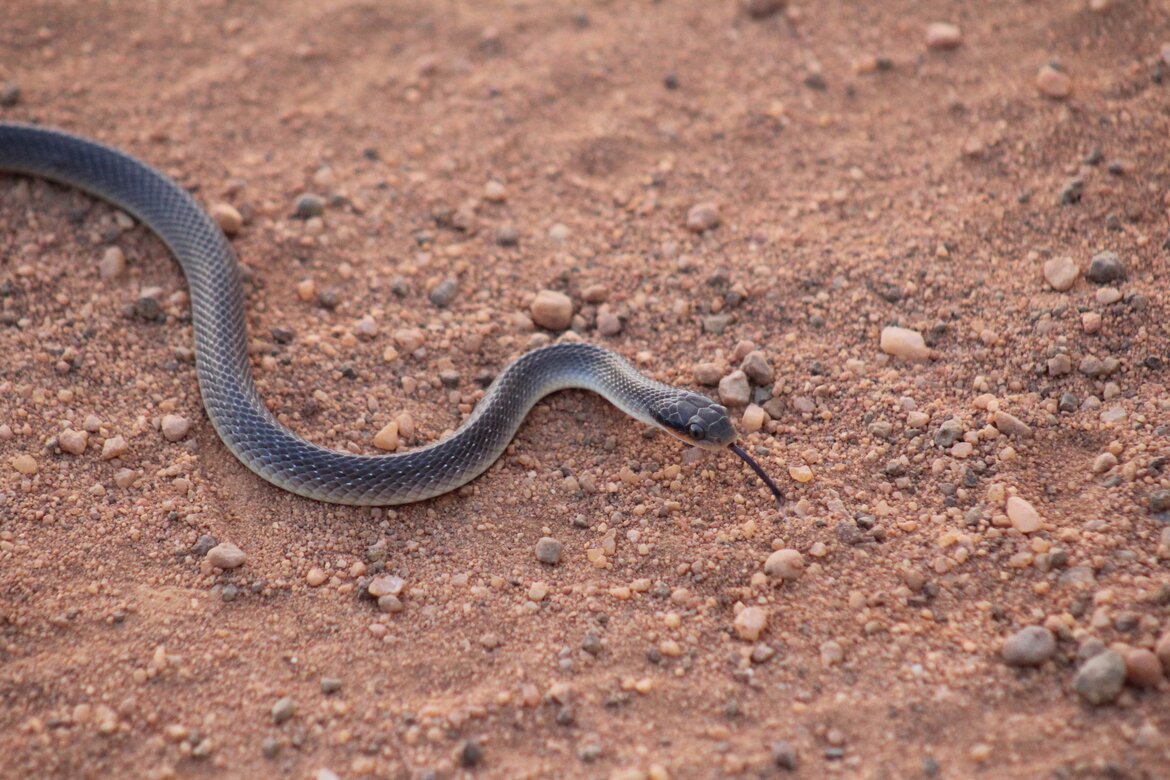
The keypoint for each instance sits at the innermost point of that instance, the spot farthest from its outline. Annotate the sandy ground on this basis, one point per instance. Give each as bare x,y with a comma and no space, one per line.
862,180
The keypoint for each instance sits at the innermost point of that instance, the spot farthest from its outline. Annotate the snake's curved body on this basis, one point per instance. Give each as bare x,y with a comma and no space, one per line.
225,376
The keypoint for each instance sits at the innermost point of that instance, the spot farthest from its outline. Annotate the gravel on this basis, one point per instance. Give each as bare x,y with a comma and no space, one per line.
1101,678
72,442
226,555
703,217
552,310
734,389
174,427
1061,273
308,206
444,293
750,623
1023,516
943,36
283,710
785,564
755,364
904,343
548,550
1105,268
1053,83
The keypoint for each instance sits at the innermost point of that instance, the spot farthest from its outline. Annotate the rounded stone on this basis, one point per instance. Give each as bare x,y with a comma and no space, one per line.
904,343
72,442
762,9
750,623
703,217
226,555
1101,678
1029,646
385,585
283,710
308,206
1023,516
548,550
228,219
174,427
941,35
1053,83
552,310
25,464
785,564
1105,268
1143,669
1061,273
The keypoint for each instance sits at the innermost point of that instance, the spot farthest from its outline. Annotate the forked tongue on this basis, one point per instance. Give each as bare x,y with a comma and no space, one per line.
759,472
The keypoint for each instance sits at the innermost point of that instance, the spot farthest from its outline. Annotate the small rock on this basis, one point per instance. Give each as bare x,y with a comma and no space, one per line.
507,235
784,756
1104,462
174,427
385,585
762,9
308,206
948,433
25,464
552,310
330,685
72,442
1072,191
9,94
1061,273
757,368
1012,426
283,710
316,577
734,389
444,293
904,343
203,545
595,293
941,36
387,438
470,753
226,555
112,264
1107,296
703,217
1059,365
1159,500
1162,650
548,550
228,219
753,419
1053,83
750,623
1023,515
390,604
1030,646
707,374
495,192
1143,669
1101,678
1105,268
609,324
786,564
114,447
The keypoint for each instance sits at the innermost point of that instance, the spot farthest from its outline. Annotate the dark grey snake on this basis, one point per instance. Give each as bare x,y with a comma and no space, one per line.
225,376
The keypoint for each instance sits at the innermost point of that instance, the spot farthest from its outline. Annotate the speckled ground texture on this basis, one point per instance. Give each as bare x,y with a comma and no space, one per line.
474,154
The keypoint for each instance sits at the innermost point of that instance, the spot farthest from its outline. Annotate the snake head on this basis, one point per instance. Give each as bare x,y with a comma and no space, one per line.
695,419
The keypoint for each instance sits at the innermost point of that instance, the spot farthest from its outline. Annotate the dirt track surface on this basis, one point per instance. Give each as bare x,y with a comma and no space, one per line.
862,180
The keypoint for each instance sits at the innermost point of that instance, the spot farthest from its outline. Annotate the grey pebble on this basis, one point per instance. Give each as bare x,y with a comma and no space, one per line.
757,368
1159,500
9,94
1101,678
1072,191
1029,646
444,293
470,753
548,550
309,205
784,755
270,747
283,710
229,593
591,643
506,235
204,545
1105,267
330,685
948,433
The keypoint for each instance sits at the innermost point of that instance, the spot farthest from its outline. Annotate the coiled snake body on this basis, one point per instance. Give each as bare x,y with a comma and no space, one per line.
225,377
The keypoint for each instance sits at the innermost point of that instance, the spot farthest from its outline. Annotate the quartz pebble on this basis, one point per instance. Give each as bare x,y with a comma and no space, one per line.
734,389
1030,646
1023,516
72,442
226,555
387,438
750,623
174,427
786,564
385,585
25,464
1012,426
904,343
552,310
753,419
316,577
227,217
703,217
112,264
548,550
1053,83
1101,678
941,35
1061,273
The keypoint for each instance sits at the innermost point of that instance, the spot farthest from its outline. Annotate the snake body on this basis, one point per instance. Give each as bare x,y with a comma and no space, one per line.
240,416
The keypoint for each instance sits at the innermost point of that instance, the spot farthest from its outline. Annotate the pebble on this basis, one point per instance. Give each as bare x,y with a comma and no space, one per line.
1012,425
734,389
1159,500
387,438
330,685
559,233
595,293
1061,273
495,192
753,419
1072,191
385,585
112,264
1059,365
941,35
904,343
1053,83
1162,650
757,368
308,206
784,756
316,577
228,219
1143,669
507,235
174,427
707,374
390,604
444,293
283,710
1091,322
800,473
72,442
25,464
948,433
786,564
548,550
609,324
1101,678
9,94
552,310
1105,268
1023,515
1107,296
226,555
762,9
703,217
1030,646
750,623
114,447
1104,462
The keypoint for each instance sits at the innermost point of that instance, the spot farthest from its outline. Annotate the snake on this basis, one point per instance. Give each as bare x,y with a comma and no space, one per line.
242,419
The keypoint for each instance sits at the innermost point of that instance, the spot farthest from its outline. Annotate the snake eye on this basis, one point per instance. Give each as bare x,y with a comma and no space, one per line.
696,432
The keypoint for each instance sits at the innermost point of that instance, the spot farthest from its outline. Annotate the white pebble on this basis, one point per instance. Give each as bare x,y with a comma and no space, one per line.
1023,515
904,343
